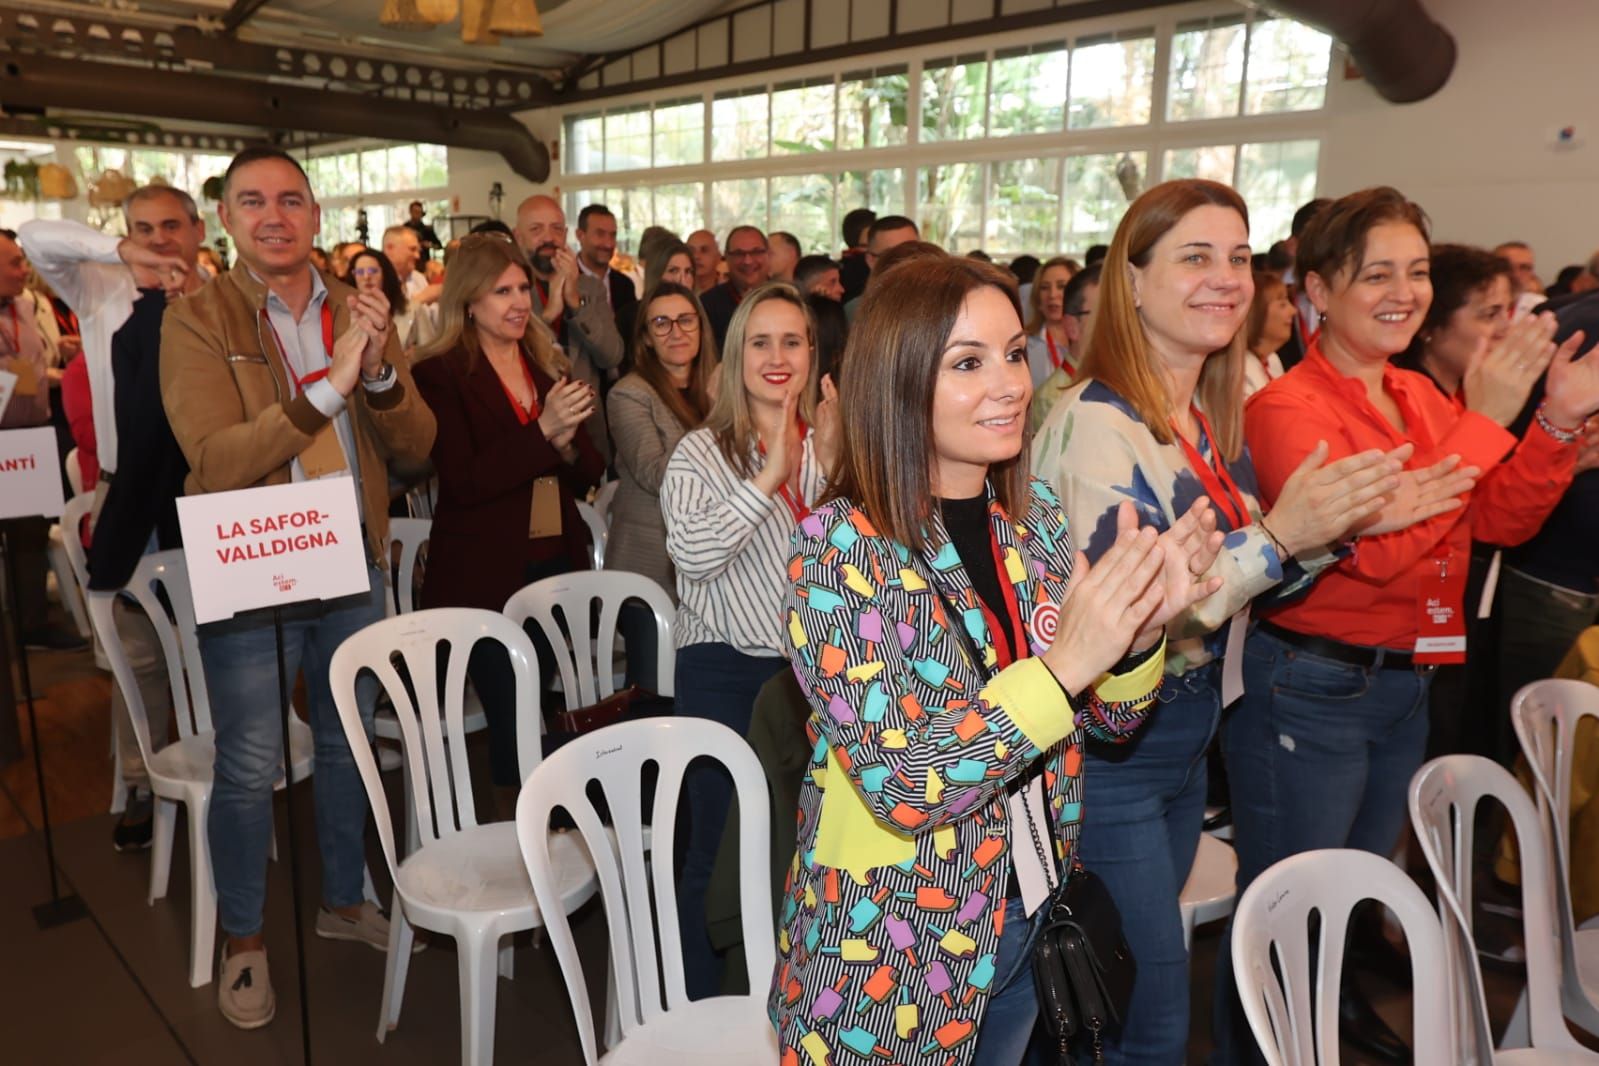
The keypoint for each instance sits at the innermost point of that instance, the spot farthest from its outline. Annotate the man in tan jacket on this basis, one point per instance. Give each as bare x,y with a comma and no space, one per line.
274,373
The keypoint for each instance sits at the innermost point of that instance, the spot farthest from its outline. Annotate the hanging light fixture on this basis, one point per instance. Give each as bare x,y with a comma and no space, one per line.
475,15
515,18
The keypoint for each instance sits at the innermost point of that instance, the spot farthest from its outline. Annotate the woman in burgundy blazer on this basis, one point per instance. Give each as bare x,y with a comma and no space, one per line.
512,458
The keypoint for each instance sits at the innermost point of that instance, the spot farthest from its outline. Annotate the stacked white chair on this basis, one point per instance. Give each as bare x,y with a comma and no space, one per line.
465,880
180,772
1444,796
68,563
1212,885
659,1026
599,533
1545,715
1292,1001
603,500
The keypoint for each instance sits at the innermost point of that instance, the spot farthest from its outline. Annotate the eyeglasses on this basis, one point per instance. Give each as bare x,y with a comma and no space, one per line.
366,272
661,325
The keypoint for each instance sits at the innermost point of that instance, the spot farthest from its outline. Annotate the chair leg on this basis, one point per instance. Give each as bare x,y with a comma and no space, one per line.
165,813
368,889
613,1012
203,901
1518,1034
119,788
1188,928
507,967
395,968
477,956
413,838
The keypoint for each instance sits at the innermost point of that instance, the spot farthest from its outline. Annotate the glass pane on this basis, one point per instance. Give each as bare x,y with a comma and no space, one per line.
738,125
1024,208
347,176
802,119
1274,180
949,205
1207,73
881,190
627,140
802,204
402,166
432,166
737,203
374,172
633,210
203,167
88,161
1214,162
1287,67
1028,93
1111,83
148,165
953,92
680,133
872,110
323,173
585,145
680,208
1098,190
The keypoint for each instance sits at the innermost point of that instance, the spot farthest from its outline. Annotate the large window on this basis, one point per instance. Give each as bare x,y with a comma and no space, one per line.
1024,143
382,181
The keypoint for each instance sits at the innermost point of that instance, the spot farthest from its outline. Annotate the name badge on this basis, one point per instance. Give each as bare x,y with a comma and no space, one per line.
1440,613
324,456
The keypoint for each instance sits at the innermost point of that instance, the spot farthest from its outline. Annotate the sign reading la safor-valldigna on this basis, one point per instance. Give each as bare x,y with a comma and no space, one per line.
272,546
30,473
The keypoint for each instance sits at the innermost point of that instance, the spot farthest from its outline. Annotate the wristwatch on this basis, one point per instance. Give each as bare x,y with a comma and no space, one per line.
383,377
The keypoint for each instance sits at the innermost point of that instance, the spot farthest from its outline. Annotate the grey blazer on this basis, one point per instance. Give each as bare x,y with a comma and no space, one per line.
592,345
645,433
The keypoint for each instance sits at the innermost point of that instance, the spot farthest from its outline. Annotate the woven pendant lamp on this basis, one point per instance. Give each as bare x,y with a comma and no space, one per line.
475,15
515,18
403,15
439,12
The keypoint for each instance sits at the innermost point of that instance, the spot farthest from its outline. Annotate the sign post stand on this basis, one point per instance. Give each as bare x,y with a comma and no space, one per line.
257,551
30,486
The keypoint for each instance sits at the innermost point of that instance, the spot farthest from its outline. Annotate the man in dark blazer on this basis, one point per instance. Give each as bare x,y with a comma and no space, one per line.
748,265
596,246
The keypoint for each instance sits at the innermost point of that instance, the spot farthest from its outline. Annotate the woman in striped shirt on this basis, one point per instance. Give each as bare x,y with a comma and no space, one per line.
734,491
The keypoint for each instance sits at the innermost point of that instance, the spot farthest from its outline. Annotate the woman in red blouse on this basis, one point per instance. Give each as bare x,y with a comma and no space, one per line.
1333,722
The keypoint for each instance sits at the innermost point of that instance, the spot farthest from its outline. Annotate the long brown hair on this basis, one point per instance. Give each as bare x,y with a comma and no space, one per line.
689,410
896,345
1119,353
729,418
474,268
1267,285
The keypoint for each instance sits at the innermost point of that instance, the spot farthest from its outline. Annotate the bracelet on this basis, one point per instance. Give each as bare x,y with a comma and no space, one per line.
1282,553
1564,436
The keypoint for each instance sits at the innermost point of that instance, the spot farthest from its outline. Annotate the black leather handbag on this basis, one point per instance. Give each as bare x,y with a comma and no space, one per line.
1083,969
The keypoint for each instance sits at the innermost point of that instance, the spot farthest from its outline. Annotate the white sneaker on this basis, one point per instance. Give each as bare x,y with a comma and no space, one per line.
244,989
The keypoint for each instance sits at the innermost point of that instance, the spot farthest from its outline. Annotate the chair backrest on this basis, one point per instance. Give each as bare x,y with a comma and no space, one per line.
599,533
603,499
410,654
1288,976
159,583
1444,796
410,534
72,516
640,898
1546,715
74,475
564,608
419,499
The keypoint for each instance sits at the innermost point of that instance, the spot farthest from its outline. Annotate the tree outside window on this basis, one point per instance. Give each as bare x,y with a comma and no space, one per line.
1024,207
1207,71
873,108
1027,92
953,95
950,206
1111,82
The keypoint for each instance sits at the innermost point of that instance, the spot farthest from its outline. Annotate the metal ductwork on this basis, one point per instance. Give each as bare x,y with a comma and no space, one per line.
33,81
1397,46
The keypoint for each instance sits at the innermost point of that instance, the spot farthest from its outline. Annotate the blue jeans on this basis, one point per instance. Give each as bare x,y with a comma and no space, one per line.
1012,1009
1144,809
241,672
1319,755
719,682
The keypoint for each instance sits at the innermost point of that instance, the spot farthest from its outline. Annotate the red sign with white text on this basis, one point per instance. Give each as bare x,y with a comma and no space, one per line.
272,546
30,473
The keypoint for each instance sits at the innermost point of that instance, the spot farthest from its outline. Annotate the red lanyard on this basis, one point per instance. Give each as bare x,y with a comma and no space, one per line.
67,323
1017,646
795,508
528,414
327,348
1055,356
1218,483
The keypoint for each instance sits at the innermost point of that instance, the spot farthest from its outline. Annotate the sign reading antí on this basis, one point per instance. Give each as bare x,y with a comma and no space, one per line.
30,473
272,546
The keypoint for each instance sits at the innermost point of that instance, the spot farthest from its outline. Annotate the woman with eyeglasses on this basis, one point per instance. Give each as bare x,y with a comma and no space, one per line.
370,271
512,456
666,395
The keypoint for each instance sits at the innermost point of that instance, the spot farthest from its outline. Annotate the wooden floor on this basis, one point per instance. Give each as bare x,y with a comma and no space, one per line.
113,988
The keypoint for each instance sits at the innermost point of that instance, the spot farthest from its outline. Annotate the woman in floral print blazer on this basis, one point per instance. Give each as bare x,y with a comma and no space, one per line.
902,933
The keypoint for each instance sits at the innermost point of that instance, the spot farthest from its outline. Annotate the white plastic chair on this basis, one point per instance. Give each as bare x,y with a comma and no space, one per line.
1444,795
1211,887
74,472
659,1025
71,565
584,654
465,879
1295,1016
409,534
181,771
603,499
599,533
1545,715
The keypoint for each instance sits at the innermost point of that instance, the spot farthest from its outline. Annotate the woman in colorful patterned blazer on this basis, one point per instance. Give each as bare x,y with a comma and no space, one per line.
943,799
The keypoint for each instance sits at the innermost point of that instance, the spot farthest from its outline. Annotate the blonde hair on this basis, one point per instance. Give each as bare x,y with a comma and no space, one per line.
729,418
1035,297
475,267
1119,353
